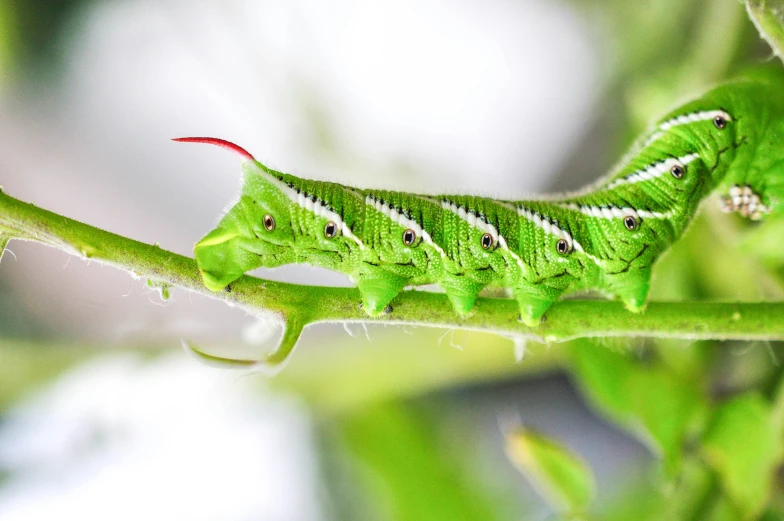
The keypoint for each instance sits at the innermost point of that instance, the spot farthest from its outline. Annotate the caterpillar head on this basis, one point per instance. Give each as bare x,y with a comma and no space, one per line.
255,232
267,206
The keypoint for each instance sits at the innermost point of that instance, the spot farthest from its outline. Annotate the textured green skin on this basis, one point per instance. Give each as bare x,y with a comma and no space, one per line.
759,101
613,259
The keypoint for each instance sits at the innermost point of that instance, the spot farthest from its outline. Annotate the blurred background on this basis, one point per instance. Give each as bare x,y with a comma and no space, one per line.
103,416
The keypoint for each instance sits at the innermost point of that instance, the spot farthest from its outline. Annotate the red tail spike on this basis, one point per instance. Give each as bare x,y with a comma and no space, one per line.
228,145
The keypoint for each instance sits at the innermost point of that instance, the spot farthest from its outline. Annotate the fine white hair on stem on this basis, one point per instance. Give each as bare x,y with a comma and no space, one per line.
367,333
520,347
349,330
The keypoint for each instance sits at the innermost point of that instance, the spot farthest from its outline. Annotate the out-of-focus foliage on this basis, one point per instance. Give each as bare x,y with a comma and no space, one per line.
404,470
768,16
7,41
559,475
656,403
743,446
30,34
28,364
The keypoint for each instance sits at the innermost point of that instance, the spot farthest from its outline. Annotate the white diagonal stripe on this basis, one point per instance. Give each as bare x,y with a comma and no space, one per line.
684,119
614,212
550,228
317,208
486,227
398,218
655,170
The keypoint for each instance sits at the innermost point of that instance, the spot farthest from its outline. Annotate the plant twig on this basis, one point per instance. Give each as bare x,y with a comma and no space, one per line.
768,17
298,306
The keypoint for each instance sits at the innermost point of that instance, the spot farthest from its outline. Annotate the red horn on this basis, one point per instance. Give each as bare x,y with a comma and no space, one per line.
228,145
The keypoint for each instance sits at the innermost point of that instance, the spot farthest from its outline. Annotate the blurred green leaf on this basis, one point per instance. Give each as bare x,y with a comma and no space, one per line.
26,365
768,16
742,444
650,499
764,242
723,510
406,472
8,40
650,400
350,373
561,477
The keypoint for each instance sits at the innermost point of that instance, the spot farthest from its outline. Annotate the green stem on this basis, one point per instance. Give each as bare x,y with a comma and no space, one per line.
768,17
300,306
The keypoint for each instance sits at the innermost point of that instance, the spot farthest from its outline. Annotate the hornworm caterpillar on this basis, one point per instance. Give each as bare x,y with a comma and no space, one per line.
605,238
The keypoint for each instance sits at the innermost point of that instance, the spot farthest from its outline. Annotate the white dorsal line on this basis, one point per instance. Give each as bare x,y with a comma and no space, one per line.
402,220
685,119
549,227
317,208
654,170
614,212
486,227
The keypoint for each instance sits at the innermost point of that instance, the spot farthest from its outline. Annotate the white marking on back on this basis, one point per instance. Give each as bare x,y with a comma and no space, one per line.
475,221
398,218
550,228
317,208
614,212
655,170
685,119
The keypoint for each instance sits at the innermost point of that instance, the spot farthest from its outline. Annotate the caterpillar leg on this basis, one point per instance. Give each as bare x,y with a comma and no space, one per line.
532,306
462,302
633,290
461,292
378,287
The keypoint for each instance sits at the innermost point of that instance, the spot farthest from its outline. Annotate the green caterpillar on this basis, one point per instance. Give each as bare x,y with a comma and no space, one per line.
605,238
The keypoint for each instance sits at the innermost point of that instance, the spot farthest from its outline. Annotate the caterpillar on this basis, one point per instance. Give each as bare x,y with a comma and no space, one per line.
604,238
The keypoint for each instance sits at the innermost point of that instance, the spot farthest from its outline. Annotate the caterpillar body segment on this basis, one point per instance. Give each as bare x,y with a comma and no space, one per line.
754,183
605,239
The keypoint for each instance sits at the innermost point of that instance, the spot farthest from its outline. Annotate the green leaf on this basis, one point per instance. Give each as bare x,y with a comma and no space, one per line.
402,469
347,374
764,241
651,401
646,496
723,510
768,17
742,445
562,478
